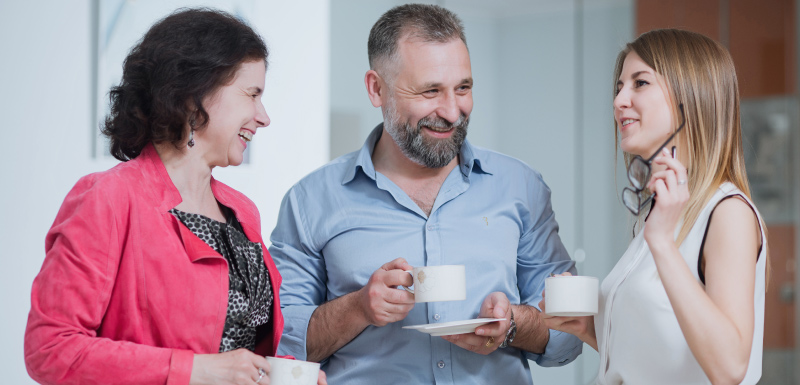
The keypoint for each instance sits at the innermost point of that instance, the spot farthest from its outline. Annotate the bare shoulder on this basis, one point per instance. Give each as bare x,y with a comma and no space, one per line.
733,228
735,216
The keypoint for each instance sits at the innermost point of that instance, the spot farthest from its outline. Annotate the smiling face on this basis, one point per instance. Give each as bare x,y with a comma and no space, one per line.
427,108
235,113
642,108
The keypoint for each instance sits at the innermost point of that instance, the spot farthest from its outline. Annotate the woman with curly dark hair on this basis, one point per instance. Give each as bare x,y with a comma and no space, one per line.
155,272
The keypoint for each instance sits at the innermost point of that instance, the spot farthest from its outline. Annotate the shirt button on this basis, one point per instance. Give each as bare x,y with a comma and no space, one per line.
431,227
436,317
440,364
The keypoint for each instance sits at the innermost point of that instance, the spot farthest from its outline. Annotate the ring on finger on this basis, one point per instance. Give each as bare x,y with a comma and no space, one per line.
682,181
490,341
261,374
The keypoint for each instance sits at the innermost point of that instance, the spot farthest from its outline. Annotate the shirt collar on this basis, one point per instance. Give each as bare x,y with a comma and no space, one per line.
470,161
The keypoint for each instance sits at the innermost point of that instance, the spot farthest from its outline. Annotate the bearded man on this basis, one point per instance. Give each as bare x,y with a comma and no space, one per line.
418,194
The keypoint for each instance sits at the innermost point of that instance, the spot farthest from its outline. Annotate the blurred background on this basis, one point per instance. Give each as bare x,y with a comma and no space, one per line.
543,91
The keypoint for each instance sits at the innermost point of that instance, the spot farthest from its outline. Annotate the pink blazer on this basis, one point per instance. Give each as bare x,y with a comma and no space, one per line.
127,294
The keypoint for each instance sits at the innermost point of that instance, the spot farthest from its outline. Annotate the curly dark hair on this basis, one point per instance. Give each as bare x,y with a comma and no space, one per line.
181,60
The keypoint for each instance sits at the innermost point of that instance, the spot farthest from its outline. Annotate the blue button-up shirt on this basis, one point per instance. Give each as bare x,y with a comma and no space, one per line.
343,221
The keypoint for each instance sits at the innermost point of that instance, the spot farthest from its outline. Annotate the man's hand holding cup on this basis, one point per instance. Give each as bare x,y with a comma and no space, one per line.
381,302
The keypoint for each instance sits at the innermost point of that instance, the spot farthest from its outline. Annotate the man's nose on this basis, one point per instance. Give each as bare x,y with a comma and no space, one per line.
448,108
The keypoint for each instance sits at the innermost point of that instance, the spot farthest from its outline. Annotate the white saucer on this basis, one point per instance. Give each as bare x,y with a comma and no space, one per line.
571,313
455,327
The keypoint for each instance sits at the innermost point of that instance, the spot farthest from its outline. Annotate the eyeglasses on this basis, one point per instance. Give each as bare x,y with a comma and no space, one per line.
639,174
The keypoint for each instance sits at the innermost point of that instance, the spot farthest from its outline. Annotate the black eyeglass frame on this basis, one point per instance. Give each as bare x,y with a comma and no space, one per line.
635,206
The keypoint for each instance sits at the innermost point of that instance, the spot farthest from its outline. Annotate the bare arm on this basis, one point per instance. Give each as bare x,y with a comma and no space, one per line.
335,323
532,333
717,320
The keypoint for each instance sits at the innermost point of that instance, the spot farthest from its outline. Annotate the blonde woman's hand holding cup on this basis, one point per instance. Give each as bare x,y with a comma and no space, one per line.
581,327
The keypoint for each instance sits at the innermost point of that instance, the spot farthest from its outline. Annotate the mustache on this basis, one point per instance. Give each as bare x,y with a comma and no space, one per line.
442,123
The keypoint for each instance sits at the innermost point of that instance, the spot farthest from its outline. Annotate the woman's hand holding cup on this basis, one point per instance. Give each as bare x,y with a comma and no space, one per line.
294,372
236,367
243,367
579,326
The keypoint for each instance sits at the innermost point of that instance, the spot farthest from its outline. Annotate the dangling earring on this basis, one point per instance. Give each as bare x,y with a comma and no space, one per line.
191,132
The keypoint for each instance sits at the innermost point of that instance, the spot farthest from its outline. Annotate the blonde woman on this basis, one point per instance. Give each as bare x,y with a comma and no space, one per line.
685,303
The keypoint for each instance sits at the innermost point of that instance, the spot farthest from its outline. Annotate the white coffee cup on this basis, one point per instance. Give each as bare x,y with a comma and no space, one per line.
292,372
439,283
570,296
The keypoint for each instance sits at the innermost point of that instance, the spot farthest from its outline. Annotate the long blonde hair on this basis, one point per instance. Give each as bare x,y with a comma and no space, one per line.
699,73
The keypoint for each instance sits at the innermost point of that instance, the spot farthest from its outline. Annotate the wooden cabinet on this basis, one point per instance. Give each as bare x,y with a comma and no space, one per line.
760,35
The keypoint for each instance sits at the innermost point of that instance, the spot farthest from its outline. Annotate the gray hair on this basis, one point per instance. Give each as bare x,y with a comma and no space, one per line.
429,23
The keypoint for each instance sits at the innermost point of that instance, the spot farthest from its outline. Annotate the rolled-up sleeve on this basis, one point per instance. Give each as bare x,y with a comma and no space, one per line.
541,253
303,269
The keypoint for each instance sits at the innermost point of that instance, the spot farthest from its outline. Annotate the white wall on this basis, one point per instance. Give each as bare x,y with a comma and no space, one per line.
297,101
607,224
45,105
542,94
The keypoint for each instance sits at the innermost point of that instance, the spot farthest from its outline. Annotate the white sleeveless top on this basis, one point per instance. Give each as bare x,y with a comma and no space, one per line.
638,335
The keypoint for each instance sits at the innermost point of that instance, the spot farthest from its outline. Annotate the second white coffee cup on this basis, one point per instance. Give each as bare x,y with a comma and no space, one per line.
292,372
571,296
438,283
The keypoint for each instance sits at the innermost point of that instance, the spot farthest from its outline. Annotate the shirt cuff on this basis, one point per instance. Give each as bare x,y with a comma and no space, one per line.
295,331
562,349
180,367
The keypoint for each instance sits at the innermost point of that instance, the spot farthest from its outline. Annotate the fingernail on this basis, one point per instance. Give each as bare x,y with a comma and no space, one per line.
479,332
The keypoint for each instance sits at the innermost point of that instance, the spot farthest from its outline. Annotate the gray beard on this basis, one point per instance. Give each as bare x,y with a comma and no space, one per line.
428,152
